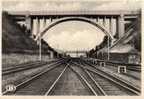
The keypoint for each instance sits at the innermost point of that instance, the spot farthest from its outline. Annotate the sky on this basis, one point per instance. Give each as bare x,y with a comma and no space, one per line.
72,35
60,5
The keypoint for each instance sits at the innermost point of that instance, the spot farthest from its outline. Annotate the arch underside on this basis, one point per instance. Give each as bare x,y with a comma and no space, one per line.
102,28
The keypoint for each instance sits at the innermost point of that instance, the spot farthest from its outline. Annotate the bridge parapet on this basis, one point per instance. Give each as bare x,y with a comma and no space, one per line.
82,12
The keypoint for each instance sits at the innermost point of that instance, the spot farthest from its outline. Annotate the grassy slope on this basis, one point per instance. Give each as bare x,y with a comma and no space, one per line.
12,36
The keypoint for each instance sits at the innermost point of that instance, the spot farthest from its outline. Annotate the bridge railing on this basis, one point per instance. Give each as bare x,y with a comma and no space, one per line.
75,12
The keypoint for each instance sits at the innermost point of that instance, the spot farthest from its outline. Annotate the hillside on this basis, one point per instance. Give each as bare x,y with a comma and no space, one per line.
15,40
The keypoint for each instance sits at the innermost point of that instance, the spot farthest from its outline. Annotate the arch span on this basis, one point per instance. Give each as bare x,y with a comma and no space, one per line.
102,28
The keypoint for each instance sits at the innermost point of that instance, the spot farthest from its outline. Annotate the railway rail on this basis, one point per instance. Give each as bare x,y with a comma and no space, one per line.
92,80
131,73
85,77
25,66
35,77
132,67
57,79
129,89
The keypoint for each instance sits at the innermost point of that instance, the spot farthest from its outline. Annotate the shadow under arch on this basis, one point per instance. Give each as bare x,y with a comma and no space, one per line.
74,19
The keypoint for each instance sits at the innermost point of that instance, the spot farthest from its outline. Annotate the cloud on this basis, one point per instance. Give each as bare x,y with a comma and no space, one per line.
78,41
73,5
73,35
51,6
120,5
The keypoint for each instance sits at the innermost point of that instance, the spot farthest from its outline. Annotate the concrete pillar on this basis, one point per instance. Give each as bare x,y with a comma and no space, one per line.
28,24
112,28
114,24
32,28
98,20
37,25
101,21
47,22
110,25
121,27
40,25
44,22
28,21
104,21
51,19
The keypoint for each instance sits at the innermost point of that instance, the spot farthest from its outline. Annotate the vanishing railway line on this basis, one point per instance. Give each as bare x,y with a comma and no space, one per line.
22,67
111,85
113,81
71,77
89,82
25,66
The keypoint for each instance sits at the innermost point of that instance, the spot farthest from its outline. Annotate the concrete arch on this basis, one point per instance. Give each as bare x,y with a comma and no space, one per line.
102,28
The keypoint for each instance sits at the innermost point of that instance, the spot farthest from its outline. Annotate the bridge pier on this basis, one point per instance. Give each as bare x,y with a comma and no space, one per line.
112,30
37,25
44,22
121,27
104,21
51,19
110,25
98,20
29,24
32,28
113,26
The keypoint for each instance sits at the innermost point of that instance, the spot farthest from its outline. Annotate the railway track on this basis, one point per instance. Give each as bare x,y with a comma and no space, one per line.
135,68
36,80
130,76
49,91
24,66
110,84
70,84
130,67
73,77
46,82
56,89
88,81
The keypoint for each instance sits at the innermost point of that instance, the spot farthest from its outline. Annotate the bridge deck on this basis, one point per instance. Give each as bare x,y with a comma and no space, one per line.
48,13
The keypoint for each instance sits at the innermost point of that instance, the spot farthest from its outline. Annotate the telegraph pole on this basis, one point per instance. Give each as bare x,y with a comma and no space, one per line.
40,48
108,49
